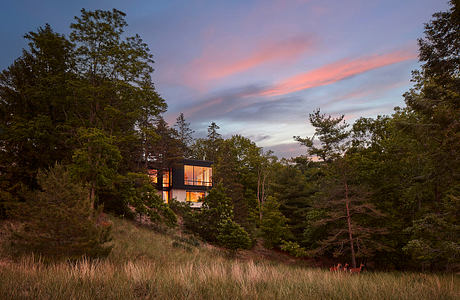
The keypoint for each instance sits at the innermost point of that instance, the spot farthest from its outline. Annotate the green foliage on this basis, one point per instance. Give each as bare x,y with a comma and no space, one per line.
89,99
137,192
293,249
232,236
167,149
273,224
434,239
184,135
294,189
60,221
96,161
34,131
331,133
217,206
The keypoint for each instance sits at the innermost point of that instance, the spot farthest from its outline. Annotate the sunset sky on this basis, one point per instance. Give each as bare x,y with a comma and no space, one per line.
257,68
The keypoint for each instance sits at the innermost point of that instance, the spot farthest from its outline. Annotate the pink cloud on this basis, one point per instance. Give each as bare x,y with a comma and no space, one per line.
337,71
219,63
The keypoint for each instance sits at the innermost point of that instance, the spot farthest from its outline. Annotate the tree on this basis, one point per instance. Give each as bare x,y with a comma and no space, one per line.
216,208
60,221
99,80
342,196
166,150
209,148
115,87
35,113
332,135
264,163
236,168
294,191
273,224
435,103
184,134
96,162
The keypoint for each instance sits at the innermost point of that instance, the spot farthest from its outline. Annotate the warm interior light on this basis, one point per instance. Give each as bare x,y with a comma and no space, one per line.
194,196
195,175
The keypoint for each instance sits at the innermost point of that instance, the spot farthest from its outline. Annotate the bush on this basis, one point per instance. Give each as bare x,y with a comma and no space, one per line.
60,221
293,249
233,236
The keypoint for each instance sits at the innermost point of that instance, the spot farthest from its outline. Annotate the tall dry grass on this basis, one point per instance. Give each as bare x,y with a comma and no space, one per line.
146,265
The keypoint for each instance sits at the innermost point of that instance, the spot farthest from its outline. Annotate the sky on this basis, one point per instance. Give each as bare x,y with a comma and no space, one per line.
258,68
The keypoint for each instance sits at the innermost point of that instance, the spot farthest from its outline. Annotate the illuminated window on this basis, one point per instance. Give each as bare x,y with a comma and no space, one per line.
165,179
195,175
153,175
166,196
194,196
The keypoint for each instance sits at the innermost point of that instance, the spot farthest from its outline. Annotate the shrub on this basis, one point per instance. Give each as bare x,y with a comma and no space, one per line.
233,236
60,221
293,249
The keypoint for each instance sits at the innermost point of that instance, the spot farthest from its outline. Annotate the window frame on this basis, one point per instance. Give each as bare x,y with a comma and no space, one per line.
197,178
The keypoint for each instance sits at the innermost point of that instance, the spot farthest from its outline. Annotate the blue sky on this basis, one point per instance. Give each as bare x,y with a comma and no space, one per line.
257,68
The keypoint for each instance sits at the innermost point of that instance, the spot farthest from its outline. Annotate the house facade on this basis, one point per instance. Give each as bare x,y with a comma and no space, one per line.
188,181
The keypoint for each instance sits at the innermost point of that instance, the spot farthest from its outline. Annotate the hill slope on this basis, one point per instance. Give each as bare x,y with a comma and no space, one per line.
148,265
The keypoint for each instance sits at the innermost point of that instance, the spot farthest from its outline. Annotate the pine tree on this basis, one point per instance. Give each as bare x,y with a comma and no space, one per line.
343,200
184,134
60,221
273,224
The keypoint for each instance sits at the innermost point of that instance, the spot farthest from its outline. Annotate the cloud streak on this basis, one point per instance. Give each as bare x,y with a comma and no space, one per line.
217,63
337,71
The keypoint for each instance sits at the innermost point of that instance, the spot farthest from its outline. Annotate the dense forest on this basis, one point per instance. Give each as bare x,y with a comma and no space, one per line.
80,118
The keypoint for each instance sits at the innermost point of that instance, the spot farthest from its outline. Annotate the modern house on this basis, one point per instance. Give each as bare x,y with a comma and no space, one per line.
188,181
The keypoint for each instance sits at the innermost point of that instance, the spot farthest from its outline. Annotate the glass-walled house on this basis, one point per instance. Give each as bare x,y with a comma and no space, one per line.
188,181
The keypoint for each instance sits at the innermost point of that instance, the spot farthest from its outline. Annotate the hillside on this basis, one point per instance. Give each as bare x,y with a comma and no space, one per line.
148,265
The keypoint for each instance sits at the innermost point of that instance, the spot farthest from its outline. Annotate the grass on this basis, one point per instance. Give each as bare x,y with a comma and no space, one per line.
148,265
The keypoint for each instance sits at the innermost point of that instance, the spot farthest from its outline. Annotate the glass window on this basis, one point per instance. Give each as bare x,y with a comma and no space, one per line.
165,179
194,196
166,196
195,175
153,175
188,174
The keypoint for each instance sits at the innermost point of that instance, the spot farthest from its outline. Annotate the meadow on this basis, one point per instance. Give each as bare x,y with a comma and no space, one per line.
149,265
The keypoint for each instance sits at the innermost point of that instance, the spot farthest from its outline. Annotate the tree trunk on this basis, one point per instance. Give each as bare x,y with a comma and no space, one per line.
258,195
92,195
350,234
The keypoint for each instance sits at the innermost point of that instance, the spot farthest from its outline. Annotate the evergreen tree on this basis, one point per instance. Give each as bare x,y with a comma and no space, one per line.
166,150
273,225
294,190
184,134
36,116
100,80
343,200
232,236
435,102
216,208
60,221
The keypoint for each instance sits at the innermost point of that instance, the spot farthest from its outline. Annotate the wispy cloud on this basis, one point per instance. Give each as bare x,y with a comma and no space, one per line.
216,63
267,97
337,71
